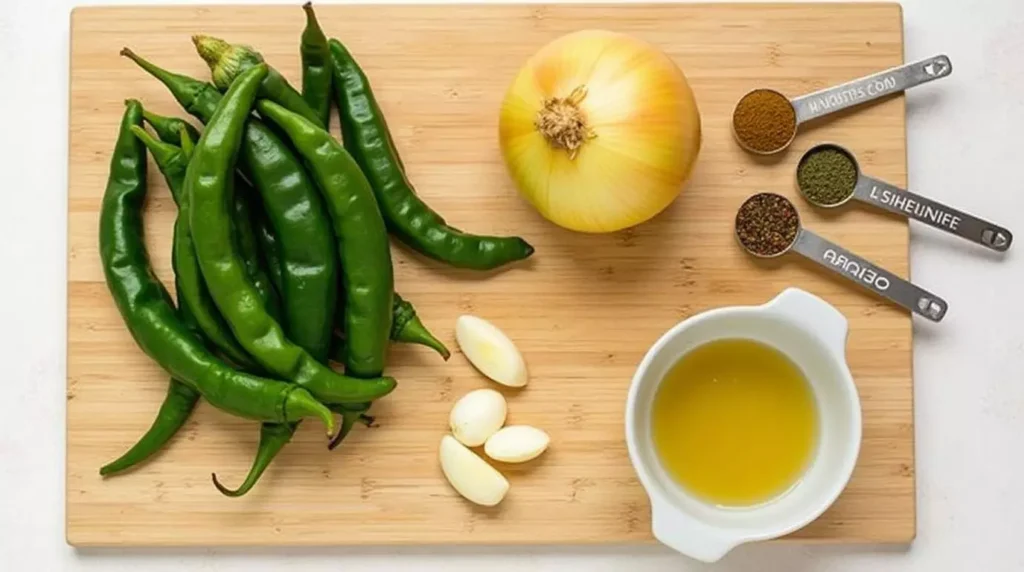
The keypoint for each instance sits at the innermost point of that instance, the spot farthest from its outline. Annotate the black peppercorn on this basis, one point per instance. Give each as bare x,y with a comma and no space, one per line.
767,224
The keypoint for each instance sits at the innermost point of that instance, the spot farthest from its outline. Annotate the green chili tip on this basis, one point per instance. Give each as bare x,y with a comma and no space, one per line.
415,332
300,403
224,490
348,420
273,438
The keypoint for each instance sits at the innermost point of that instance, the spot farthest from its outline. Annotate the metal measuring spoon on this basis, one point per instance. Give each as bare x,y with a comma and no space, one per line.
768,226
846,95
913,206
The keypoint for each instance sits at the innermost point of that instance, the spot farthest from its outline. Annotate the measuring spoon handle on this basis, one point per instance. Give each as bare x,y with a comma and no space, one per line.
934,214
857,269
868,88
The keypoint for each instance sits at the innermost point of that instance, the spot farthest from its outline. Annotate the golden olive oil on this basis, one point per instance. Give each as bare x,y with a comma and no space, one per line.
734,422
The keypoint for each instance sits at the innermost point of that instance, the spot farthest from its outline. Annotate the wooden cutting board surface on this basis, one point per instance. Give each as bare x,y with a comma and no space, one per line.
583,312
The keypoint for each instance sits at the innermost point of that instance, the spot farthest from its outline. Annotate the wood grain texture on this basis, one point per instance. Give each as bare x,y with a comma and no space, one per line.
583,312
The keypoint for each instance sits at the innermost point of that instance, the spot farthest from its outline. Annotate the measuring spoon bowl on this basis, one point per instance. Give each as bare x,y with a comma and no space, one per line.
853,93
845,263
900,201
780,100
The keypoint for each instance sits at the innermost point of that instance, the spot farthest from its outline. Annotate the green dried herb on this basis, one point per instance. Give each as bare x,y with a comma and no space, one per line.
827,175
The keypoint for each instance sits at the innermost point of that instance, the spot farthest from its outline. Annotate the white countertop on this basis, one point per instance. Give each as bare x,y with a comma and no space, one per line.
965,148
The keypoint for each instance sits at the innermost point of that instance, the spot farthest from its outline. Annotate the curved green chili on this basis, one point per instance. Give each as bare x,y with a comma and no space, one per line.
363,246
228,61
368,140
294,208
316,67
406,327
207,184
146,307
181,399
191,289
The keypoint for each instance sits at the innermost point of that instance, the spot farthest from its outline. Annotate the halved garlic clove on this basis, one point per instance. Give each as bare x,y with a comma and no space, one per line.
490,351
470,475
517,444
477,416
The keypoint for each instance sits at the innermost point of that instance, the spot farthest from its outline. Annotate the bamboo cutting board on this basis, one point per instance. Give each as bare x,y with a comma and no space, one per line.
583,311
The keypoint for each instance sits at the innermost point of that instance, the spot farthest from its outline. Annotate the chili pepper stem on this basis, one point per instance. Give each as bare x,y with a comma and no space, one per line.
143,63
211,49
226,60
183,88
312,25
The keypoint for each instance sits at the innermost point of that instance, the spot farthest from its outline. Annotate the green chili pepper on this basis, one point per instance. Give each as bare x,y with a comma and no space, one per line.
147,310
368,140
180,399
294,208
192,291
406,327
316,67
168,129
363,246
207,184
228,61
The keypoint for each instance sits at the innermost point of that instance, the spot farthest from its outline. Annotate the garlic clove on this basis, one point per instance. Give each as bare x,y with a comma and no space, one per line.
477,416
517,444
470,475
490,351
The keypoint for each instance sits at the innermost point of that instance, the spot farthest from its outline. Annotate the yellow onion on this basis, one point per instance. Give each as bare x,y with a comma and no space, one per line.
599,131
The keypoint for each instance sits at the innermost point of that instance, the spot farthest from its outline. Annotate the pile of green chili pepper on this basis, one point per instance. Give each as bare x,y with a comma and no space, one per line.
280,250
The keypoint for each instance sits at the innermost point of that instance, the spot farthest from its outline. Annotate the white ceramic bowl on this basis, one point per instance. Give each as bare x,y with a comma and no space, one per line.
810,332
